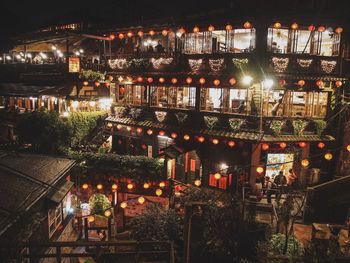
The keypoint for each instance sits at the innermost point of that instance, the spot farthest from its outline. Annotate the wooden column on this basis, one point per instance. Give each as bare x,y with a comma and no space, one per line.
255,161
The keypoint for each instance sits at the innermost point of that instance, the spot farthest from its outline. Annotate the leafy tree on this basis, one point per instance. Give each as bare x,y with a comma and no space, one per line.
99,203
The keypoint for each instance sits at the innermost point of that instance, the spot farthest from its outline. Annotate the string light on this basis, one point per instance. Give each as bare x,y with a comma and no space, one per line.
138,130
283,145
161,133
302,144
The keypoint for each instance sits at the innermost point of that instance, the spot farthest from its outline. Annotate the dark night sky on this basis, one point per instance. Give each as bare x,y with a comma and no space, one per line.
21,16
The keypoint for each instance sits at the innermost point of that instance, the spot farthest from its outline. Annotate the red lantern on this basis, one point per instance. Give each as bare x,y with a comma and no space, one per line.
152,33
277,25
211,28
129,34
111,37
232,81
173,135
161,80
97,84
161,133
121,36
202,81
140,34
301,83
150,80
186,137
178,188
282,82
149,132
338,30
107,84
265,146
85,83
319,83
201,139
164,32
121,90
302,144
228,27
283,145
311,28
138,130
338,83
174,80
231,144
216,82
182,31
189,80
144,146
196,29
139,79
120,141
321,29
321,145
247,25
294,26
110,78
215,141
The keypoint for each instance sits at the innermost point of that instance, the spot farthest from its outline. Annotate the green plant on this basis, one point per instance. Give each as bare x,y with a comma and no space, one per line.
320,126
98,203
92,75
299,126
236,124
276,127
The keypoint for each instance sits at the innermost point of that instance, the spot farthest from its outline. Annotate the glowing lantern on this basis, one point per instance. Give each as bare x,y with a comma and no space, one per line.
302,144
144,146
164,32
139,79
215,141
152,33
211,28
283,145
348,148
197,182
108,213
178,188
109,125
107,84
321,29
282,82
247,25
128,128
85,186
174,80
121,90
159,192
196,29
111,36
321,145
186,137
130,186
161,80
161,133
294,26
259,170
338,30
138,130
173,135
338,83
277,25
91,219
217,176
149,132
201,139
202,81
228,27
114,186
231,144
121,36
97,84
129,34
301,82
319,83
216,82
189,80
182,30
141,200
123,205
146,185
305,163
311,28
265,146
119,127
99,186
85,83
110,78
140,34
232,81
150,80
328,156
161,184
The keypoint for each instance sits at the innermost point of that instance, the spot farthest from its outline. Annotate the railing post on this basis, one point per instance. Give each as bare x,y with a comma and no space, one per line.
58,254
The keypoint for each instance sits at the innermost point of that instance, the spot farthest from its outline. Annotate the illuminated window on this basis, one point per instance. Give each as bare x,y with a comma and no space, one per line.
173,97
132,94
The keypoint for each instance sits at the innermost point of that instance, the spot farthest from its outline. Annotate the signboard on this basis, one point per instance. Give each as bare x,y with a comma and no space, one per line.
73,65
134,208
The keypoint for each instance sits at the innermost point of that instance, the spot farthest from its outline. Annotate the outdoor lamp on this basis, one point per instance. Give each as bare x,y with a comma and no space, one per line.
217,176
123,205
268,83
108,213
197,182
247,80
159,192
141,200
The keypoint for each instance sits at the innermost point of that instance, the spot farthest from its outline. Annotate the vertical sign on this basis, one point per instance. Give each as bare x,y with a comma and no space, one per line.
73,65
149,151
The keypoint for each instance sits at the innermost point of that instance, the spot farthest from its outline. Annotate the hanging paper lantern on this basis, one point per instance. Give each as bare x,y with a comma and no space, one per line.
215,141
111,36
174,80
120,142
277,25
161,184
85,186
202,81
99,186
139,130
107,84
119,126
140,34
144,146
305,163
217,176
146,185
130,186
321,145
178,188
139,79
128,128
197,182
301,83
121,36
265,146
294,26
211,28
321,29
107,213
259,170
173,135
228,27
85,83
123,205
152,33
338,30
186,137
302,144
161,133
110,78
188,80
91,219
129,34
196,29
319,83
231,144
328,156
149,132
114,186
311,28
348,148
216,82
150,80
282,82
201,139
232,81
283,145
121,90
338,83
97,84
247,25
161,80
141,200
109,125
164,32
182,31
159,192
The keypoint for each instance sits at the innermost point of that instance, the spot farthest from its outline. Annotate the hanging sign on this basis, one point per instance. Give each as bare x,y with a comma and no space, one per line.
73,65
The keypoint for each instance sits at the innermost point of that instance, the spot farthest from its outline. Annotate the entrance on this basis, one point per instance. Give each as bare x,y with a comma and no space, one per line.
277,162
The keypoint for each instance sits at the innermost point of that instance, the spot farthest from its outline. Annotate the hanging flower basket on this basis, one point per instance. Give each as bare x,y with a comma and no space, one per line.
119,111
236,124
320,126
135,113
299,126
276,127
210,121
160,115
181,117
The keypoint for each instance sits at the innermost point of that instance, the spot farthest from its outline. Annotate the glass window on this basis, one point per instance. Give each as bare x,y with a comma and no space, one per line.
304,41
238,101
211,99
273,103
327,39
132,94
173,97
244,40
278,40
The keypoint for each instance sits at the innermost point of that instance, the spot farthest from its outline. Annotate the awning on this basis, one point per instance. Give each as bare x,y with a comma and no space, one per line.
21,90
59,194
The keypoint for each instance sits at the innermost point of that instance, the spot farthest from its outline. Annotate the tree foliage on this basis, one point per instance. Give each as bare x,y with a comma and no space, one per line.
98,203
